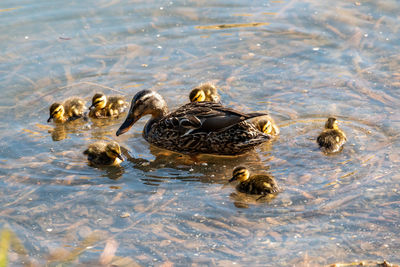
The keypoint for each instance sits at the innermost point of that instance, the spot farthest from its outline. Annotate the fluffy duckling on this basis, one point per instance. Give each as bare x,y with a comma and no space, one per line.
105,107
71,109
267,125
261,184
204,92
102,153
332,139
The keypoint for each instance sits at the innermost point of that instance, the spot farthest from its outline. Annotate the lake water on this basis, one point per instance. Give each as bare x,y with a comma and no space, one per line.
301,61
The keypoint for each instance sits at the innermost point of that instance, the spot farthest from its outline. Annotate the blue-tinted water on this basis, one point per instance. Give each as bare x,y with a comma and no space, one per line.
305,61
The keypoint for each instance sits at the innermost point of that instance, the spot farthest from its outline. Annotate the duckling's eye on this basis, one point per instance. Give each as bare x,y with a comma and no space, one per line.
267,127
197,97
97,102
240,173
56,111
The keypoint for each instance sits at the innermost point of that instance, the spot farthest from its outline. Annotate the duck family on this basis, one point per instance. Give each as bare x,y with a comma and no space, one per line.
202,126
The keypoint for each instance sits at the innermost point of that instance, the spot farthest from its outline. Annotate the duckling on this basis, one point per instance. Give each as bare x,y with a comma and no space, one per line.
106,107
102,153
71,109
267,125
204,92
261,184
332,139
197,127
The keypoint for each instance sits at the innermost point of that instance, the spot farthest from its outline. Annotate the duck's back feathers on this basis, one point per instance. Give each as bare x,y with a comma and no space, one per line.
205,127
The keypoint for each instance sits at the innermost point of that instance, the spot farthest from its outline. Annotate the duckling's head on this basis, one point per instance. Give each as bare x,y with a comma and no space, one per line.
331,123
99,101
56,112
143,103
240,173
113,151
197,95
264,125
204,92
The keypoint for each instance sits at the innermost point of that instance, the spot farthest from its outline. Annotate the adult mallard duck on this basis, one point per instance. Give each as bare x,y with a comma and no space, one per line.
102,153
198,127
106,107
204,92
332,139
267,125
261,184
70,109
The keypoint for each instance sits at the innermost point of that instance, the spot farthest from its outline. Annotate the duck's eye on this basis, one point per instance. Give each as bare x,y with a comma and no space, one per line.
97,102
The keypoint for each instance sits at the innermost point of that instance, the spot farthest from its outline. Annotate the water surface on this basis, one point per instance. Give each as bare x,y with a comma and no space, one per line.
301,61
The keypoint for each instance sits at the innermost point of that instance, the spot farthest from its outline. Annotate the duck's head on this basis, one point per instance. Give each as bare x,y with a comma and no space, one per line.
204,92
113,151
331,123
143,103
56,112
240,173
99,101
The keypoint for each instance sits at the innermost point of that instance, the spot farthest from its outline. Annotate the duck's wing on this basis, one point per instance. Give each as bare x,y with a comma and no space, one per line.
208,117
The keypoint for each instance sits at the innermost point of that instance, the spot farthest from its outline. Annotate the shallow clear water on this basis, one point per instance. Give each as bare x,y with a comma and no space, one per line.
304,61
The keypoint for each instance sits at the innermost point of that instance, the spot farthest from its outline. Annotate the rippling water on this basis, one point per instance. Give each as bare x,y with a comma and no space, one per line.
301,61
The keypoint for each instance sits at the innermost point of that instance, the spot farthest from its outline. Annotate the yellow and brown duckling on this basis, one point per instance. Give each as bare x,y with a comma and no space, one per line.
266,124
69,110
102,153
261,184
332,139
197,127
204,92
106,107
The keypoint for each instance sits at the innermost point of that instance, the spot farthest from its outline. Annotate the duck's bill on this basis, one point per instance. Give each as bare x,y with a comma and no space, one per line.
91,107
130,120
120,157
49,119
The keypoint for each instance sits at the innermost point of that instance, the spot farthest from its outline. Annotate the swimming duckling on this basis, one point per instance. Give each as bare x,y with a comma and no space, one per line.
261,184
267,125
332,139
204,92
102,153
103,106
197,127
71,109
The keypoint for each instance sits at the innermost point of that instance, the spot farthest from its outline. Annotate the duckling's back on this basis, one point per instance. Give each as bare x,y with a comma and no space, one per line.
117,104
259,185
97,154
74,107
331,141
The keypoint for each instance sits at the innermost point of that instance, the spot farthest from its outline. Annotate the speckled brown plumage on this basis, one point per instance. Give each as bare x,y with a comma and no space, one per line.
198,127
